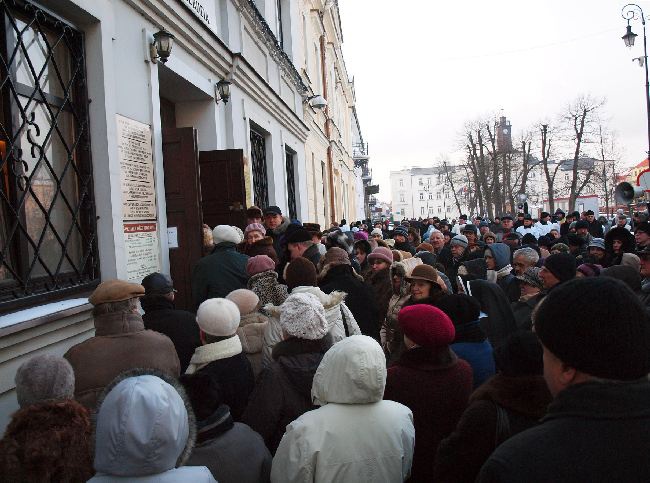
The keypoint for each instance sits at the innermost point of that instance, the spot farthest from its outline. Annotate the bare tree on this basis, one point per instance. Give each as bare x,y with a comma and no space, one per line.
550,172
604,178
581,119
449,172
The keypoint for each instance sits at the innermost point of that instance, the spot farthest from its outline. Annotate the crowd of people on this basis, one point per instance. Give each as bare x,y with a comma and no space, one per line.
500,350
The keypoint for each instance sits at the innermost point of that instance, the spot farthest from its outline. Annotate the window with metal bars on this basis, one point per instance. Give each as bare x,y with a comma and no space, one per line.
291,184
48,244
260,178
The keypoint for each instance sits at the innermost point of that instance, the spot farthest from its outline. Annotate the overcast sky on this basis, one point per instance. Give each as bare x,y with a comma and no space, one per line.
422,68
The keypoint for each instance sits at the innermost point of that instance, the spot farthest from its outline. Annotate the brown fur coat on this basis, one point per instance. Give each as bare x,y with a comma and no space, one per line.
48,442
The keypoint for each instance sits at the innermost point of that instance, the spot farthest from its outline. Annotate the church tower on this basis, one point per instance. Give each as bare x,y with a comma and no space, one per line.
504,135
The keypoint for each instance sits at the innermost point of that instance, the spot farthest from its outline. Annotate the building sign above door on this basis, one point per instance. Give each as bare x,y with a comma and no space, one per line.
198,10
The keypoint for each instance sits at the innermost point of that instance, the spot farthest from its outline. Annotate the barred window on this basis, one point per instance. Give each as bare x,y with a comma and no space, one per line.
47,225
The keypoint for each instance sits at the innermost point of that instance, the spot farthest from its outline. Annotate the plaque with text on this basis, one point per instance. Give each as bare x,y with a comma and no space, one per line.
141,243
136,169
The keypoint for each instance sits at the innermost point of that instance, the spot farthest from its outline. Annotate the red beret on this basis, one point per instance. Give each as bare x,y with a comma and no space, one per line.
426,325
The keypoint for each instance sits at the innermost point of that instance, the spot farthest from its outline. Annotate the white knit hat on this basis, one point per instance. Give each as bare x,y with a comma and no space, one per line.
303,316
225,233
218,317
246,300
377,231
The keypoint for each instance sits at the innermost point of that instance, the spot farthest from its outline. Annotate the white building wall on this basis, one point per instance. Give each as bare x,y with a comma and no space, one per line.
422,193
123,81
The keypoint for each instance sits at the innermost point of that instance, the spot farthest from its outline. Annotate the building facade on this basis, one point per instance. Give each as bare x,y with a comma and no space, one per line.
332,185
424,193
112,156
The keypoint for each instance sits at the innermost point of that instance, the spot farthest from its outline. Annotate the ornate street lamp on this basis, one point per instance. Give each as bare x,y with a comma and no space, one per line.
161,48
223,90
632,11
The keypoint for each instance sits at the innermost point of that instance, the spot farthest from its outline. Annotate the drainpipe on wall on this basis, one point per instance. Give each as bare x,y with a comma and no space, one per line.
330,160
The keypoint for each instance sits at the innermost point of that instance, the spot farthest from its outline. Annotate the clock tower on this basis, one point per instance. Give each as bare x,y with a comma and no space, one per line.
504,135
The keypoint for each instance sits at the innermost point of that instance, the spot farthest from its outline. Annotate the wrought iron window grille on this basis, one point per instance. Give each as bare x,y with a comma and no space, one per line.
260,177
48,243
291,185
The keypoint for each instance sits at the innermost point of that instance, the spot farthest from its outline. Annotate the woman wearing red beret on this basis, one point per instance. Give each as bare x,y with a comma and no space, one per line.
430,380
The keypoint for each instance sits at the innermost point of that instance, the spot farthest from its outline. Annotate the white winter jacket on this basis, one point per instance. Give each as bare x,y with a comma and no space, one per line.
355,436
335,310
144,432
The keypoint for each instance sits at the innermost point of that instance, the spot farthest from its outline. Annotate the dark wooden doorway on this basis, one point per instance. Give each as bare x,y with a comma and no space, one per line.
183,199
223,194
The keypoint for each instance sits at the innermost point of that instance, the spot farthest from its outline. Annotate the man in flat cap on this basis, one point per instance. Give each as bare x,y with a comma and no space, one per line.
120,342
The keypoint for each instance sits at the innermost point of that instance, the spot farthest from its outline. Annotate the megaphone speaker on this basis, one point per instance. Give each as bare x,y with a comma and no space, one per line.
625,193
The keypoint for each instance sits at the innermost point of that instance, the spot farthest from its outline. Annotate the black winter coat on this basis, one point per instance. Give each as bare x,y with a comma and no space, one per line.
360,299
523,311
179,325
236,381
595,431
500,321
283,390
524,400
405,247
510,286
382,290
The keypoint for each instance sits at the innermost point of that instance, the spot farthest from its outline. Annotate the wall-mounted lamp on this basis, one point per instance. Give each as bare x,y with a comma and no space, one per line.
161,47
223,91
317,101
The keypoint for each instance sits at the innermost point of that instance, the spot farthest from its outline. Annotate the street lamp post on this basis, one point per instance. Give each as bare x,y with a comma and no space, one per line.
632,11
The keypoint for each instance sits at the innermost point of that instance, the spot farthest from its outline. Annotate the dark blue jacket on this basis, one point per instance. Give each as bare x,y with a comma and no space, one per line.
479,356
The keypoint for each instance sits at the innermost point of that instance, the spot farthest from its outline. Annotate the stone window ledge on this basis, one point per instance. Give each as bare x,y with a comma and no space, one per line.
42,314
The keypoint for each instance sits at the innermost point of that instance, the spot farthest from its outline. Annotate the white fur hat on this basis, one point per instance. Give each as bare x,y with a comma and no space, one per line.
218,317
225,233
246,300
302,315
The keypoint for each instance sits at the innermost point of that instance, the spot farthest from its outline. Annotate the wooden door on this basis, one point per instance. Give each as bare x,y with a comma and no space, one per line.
223,194
183,198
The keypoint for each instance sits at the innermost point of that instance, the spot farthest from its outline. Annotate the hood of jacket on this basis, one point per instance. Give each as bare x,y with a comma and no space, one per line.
501,253
339,239
353,371
329,301
144,425
329,272
403,269
117,323
281,228
495,303
623,234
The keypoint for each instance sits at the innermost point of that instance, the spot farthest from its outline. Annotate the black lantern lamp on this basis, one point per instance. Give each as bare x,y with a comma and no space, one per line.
161,48
629,36
223,90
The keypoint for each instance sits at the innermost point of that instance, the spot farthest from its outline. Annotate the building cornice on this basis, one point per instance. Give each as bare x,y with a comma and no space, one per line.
249,10
210,51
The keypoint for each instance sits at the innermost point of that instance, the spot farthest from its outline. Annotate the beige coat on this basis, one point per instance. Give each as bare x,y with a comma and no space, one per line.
120,343
251,333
